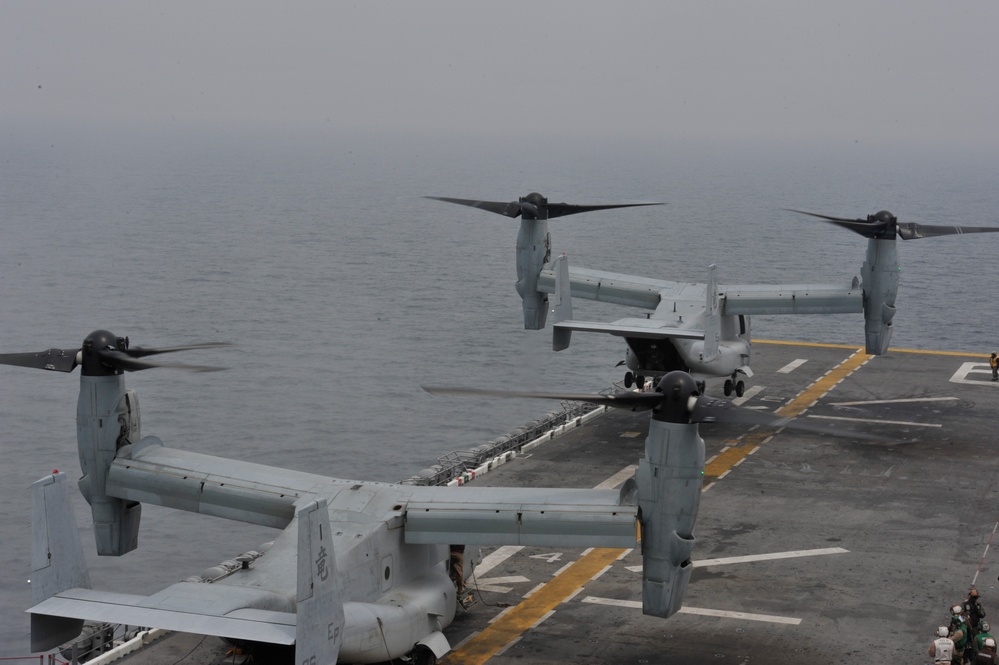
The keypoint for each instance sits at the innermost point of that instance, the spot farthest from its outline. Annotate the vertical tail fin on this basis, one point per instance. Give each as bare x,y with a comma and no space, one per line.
57,562
562,307
320,620
712,316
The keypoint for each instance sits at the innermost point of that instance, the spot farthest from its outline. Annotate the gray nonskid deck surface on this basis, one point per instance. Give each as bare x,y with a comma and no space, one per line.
914,516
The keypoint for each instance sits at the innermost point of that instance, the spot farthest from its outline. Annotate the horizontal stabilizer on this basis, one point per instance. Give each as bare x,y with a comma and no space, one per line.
641,328
242,623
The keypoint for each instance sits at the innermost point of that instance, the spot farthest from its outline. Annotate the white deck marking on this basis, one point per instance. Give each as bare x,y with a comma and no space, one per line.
494,559
749,394
793,554
895,401
748,616
963,372
492,583
791,366
618,478
876,421
751,558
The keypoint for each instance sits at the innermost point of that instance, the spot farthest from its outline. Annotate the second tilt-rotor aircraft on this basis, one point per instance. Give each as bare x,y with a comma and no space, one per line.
699,328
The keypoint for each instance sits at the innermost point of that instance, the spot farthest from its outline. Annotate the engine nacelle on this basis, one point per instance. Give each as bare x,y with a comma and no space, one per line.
533,252
669,493
880,275
107,418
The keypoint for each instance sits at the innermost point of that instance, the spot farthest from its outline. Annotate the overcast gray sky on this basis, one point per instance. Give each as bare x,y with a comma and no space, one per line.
769,69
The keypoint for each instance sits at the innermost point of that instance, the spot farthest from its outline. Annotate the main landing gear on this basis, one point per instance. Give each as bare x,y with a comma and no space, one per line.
737,385
633,379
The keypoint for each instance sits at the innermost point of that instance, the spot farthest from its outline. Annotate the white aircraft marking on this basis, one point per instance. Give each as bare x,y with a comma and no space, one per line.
791,366
961,375
875,421
748,616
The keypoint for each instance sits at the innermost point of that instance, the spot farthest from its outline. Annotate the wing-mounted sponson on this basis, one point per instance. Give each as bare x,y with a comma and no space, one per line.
533,242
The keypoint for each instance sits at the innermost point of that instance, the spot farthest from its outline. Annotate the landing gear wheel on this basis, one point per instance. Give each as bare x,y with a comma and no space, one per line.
740,388
422,655
640,382
629,378
728,387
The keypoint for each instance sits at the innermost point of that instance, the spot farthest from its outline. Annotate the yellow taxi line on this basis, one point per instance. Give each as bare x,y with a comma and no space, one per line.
530,611
750,442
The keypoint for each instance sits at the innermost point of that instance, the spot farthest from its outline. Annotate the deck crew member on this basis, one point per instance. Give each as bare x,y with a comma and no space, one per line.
994,364
942,648
983,635
987,654
959,634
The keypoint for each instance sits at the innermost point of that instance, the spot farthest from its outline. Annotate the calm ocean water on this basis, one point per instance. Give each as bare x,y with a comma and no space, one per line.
344,290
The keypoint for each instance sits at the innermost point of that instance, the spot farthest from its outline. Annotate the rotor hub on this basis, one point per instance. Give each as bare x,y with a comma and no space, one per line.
92,364
677,388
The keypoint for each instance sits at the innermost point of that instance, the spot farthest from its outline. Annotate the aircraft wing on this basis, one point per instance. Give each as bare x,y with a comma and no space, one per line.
647,293
620,289
792,299
633,327
522,516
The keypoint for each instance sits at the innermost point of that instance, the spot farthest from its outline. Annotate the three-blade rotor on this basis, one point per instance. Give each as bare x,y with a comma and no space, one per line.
534,206
884,225
103,353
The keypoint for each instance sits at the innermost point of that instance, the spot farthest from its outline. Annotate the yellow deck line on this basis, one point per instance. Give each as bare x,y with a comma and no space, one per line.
748,443
962,354
531,610
511,625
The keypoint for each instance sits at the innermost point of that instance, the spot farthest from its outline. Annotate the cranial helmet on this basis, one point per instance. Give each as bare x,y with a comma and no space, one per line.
974,592
985,626
955,610
942,631
989,642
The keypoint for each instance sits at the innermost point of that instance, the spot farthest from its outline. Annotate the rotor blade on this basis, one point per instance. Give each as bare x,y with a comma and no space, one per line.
633,401
510,209
716,410
864,227
124,361
825,217
912,231
56,360
140,352
563,209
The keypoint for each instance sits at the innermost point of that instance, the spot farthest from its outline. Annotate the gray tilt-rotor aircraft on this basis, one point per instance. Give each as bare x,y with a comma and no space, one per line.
360,570
703,329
